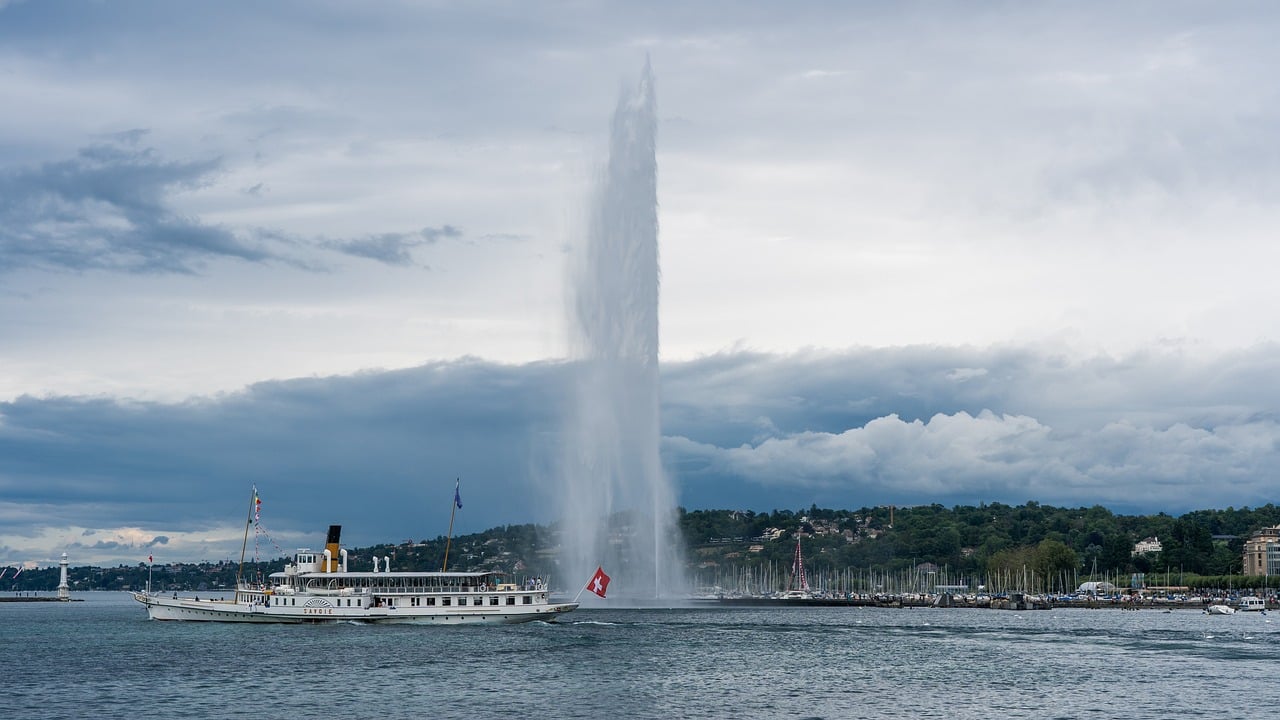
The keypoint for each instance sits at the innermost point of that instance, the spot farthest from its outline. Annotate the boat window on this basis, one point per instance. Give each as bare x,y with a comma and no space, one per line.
462,600
527,600
431,601
511,600
493,601
446,601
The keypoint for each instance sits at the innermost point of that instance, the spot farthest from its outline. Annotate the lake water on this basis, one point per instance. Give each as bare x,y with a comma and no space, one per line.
103,659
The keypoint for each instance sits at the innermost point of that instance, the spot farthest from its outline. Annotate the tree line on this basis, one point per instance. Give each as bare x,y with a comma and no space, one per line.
1201,548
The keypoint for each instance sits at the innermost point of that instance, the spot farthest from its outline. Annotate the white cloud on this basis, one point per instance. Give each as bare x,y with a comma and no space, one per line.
965,458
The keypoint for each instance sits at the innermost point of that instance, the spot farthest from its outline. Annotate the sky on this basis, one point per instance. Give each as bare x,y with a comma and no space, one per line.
918,252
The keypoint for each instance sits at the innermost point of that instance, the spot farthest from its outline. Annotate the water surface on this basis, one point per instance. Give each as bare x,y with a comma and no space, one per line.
103,659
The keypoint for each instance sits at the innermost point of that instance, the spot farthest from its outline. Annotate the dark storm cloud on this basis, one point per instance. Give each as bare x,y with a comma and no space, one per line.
386,443
378,451
108,208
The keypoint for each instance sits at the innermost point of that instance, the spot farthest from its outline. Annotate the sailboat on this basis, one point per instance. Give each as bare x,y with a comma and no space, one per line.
799,588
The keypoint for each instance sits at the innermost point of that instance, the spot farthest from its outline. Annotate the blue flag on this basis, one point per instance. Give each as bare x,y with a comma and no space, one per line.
457,499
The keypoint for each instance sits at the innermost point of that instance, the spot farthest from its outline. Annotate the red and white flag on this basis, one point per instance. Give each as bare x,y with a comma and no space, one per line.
599,582
151,559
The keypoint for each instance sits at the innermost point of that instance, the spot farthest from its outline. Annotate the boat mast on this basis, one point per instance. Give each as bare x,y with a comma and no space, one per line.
798,580
253,498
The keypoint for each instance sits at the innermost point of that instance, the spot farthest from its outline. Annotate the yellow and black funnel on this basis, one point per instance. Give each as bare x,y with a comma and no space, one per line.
332,544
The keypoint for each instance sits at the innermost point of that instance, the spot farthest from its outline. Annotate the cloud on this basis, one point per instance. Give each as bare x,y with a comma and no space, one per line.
965,459
393,248
109,208
378,451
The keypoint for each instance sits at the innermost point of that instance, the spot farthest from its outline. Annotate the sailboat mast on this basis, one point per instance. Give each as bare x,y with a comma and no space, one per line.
798,580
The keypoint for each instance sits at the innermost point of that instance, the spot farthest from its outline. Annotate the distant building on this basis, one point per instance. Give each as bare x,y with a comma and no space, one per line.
1149,545
1262,552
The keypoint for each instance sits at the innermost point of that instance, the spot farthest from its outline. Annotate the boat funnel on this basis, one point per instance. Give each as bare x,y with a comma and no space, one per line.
331,544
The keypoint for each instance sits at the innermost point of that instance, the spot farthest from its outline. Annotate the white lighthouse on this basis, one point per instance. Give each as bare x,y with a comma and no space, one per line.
64,590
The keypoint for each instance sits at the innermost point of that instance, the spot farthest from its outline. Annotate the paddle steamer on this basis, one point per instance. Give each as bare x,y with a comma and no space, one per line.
317,587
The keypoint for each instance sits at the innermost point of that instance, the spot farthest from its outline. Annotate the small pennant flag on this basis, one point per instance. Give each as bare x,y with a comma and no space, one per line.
257,505
599,582
457,499
151,559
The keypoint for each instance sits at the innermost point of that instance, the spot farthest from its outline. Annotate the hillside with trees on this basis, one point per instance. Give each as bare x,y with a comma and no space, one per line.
1030,546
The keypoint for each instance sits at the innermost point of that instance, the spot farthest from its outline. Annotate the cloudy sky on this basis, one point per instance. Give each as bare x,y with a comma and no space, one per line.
911,252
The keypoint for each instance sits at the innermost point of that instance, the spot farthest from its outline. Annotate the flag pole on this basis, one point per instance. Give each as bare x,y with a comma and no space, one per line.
453,508
150,564
600,579
253,495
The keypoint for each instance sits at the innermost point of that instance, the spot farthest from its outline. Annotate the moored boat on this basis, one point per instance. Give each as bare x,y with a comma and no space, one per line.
798,588
317,587
1251,603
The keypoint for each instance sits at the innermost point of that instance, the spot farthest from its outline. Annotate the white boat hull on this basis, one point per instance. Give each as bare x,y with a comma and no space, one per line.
320,610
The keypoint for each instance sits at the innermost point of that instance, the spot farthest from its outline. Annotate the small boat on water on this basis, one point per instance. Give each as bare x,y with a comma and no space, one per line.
1252,604
1220,610
317,587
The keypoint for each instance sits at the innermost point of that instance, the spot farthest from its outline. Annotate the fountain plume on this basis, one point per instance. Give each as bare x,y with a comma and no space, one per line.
619,504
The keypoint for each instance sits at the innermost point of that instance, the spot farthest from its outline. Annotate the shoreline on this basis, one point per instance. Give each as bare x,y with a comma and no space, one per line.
955,603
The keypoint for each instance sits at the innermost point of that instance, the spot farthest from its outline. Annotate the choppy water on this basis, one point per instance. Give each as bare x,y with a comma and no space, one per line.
103,659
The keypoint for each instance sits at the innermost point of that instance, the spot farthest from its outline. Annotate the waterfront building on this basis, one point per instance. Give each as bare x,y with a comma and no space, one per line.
1262,552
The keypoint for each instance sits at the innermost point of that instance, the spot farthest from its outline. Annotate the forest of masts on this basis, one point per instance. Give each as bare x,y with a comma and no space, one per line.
767,579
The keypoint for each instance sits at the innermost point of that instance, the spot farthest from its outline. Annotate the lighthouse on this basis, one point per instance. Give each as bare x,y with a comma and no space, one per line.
64,590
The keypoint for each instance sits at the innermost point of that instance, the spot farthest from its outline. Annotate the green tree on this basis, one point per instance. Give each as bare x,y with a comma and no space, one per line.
1056,563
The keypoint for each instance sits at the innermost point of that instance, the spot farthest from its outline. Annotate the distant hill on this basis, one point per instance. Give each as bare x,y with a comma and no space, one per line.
962,541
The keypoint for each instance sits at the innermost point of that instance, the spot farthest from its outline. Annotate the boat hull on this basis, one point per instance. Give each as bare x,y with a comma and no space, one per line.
196,610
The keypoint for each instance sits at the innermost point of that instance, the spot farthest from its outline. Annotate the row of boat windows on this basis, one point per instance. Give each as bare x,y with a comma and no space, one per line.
398,585
414,601
396,589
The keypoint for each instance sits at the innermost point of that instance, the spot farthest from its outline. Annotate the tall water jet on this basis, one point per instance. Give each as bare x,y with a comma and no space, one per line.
619,504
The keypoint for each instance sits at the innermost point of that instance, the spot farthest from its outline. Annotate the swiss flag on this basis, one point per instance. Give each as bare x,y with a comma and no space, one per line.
599,582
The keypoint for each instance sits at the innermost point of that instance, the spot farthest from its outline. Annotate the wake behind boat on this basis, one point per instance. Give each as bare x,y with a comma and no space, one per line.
317,587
